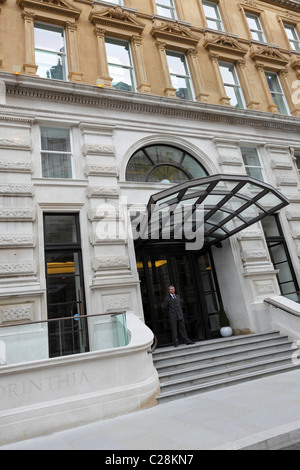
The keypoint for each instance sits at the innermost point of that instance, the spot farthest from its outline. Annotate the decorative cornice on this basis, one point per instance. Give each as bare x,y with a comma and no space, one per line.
84,95
224,45
62,7
269,57
174,32
116,17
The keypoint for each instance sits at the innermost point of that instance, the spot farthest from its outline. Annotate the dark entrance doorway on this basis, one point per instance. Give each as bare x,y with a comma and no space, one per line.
194,278
67,329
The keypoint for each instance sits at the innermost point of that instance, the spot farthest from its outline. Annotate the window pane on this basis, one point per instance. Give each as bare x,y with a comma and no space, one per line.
60,229
117,52
50,65
273,82
250,156
138,168
121,78
55,139
164,154
176,64
56,166
167,173
49,38
227,74
192,166
270,227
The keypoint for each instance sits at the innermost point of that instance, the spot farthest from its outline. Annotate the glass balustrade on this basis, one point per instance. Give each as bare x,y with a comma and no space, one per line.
32,341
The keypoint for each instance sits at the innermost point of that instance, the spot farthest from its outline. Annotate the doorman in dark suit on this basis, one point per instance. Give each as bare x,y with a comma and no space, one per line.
173,305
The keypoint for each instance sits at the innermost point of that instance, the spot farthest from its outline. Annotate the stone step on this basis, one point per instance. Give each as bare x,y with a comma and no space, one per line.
242,369
207,365
212,344
220,355
208,386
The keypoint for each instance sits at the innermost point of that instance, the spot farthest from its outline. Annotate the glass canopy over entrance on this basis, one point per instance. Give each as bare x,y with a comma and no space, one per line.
212,209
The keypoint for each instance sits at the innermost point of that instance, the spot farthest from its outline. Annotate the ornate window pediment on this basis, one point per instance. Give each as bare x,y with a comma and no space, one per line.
117,18
225,46
174,33
61,7
269,57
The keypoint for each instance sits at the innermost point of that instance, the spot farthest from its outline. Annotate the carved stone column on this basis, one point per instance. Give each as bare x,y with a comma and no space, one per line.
271,106
196,75
294,105
104,72
215,61
142,83
29,67
251,103
169,89
73,59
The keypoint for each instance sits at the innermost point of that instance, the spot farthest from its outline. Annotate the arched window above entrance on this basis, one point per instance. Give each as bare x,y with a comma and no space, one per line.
163,164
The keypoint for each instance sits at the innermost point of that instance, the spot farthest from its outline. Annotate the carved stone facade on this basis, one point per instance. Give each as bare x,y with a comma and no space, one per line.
107,126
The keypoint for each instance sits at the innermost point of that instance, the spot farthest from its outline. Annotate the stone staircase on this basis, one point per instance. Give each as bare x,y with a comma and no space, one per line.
208,365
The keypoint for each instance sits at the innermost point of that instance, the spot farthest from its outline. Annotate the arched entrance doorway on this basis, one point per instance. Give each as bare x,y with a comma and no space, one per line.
180,224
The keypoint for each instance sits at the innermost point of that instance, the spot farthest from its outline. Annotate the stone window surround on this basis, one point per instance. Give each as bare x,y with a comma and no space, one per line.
121,24
290,19
67,19
222,10
226,48
177,37
257,11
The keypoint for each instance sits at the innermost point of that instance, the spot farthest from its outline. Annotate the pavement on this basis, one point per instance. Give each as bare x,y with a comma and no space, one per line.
262,414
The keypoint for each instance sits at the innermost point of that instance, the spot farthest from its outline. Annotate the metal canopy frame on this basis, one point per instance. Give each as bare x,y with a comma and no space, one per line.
219,205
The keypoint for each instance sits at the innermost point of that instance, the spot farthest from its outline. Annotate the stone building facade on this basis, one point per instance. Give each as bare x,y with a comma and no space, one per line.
106,107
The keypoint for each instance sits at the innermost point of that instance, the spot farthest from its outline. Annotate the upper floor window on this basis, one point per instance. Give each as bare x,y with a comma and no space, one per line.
180,75
252,163
292,37
297,159
50,51
212,15
166,8
277,92
56,153
255,27
163,164
231,84
120,64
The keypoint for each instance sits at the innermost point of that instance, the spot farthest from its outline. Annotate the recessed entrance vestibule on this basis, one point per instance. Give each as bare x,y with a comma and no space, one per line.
217,207
194,278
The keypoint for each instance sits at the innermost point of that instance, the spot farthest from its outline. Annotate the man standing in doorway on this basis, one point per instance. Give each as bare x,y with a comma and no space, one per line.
173,304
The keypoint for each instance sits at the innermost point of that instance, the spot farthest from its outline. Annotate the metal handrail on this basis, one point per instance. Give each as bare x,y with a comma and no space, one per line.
281,307
61,318
153,347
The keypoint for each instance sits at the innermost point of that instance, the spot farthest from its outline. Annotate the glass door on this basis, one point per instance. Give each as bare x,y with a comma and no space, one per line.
194,280
65,289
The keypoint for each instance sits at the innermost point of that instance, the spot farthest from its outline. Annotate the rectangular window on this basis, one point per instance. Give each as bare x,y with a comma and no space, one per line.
56,153
297,157
231,84
280,257
276,92
292,37
255,27
252,163
50,51
212,15
120,64
180,76
166,8
65,287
